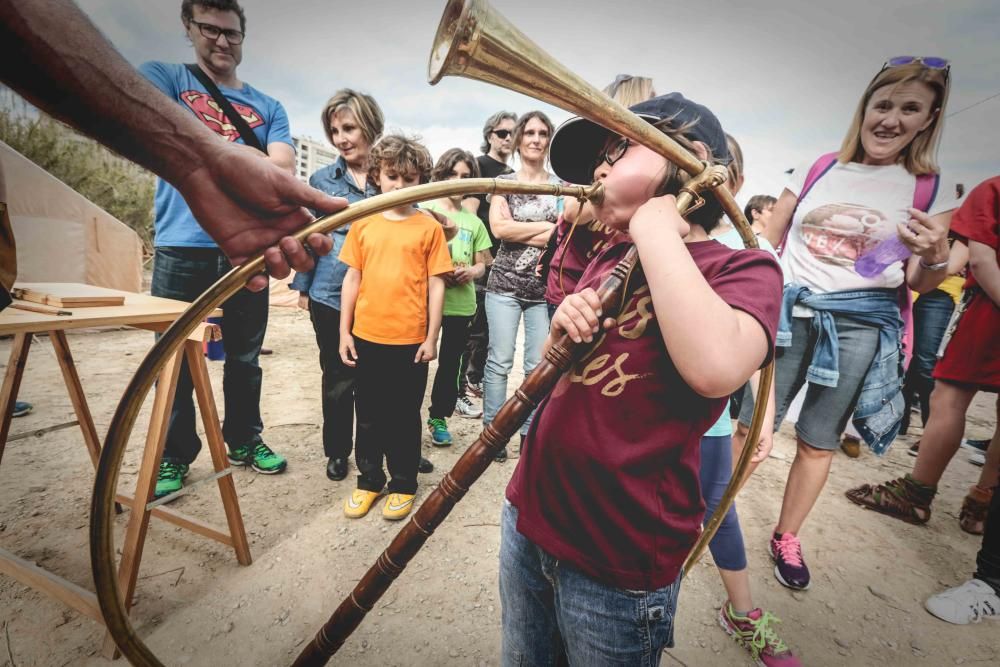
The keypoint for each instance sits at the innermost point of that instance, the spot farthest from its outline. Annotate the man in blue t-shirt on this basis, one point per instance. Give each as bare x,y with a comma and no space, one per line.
187,261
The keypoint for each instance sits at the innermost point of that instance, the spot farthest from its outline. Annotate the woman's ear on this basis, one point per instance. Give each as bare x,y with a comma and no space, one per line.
700,150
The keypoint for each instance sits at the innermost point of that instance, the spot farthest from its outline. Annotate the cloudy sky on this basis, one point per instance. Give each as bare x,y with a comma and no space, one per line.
783,76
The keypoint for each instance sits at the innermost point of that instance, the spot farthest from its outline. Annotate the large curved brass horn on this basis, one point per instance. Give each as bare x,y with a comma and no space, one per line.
476,42
473,41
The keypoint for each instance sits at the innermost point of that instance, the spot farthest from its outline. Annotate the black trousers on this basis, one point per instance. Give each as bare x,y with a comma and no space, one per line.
338,383
389,391
447,380
988,560
183,274
474,360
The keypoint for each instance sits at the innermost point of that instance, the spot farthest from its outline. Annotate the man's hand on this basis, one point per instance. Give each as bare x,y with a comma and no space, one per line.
249,205
303,301
463,275
764,445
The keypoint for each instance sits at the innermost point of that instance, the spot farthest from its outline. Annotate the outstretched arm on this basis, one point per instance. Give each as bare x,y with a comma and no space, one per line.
53,55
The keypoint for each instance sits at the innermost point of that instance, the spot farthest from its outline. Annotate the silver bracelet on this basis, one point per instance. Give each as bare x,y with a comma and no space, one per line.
933,267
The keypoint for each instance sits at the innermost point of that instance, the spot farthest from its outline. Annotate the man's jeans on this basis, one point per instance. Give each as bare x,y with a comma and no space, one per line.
503,314
931,313
183,274
551,610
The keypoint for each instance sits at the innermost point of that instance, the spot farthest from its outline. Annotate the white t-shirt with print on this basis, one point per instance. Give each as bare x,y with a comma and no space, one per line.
848,211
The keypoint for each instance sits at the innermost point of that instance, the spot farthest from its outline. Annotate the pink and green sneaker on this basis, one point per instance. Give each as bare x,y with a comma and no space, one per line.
756,633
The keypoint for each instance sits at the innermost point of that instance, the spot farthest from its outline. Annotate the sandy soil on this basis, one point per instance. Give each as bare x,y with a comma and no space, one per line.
197,606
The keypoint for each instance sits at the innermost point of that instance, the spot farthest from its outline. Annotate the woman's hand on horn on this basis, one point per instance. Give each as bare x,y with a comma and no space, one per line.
925,235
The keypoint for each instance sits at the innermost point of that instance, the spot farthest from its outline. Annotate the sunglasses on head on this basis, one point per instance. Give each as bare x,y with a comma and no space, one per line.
930,62
503,134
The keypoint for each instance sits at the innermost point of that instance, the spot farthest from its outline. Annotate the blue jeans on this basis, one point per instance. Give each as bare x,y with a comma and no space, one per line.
183,274
931,313
551,611
503,314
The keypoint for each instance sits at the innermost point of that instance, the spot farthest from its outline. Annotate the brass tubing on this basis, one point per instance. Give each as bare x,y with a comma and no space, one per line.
102,502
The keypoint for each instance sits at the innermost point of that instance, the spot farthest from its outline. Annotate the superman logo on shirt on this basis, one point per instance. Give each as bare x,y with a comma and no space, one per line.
206,109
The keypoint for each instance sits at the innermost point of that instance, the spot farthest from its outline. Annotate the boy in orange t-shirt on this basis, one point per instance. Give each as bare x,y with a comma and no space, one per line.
392,300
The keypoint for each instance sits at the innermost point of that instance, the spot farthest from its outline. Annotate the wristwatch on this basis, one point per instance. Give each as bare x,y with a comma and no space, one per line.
933,267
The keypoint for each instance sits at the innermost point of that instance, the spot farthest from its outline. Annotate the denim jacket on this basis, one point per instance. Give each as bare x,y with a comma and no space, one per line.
879,409
324,282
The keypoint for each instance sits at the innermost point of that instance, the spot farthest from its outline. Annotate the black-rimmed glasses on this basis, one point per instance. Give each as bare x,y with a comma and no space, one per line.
212,32
614,152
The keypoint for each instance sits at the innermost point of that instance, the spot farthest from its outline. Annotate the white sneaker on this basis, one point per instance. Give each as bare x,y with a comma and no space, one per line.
466,408
969,603
977,459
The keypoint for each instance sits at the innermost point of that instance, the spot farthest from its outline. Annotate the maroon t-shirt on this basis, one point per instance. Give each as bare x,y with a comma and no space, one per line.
608,475
572,257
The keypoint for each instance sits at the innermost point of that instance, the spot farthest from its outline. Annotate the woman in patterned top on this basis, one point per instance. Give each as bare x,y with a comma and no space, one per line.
523,223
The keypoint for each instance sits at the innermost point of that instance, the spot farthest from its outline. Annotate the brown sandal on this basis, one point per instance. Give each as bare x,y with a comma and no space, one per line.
975,508
894,498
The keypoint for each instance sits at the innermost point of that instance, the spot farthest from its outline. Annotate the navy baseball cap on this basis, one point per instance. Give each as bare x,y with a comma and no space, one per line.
577,142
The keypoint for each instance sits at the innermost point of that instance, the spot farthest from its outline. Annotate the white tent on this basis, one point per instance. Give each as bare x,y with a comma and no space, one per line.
62,236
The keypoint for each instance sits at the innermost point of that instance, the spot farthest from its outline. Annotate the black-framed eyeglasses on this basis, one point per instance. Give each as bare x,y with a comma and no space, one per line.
503,134
614,152
212,32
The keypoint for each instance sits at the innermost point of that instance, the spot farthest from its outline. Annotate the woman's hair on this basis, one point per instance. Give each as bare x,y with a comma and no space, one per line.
446,164
628,90
523,121
364,108
920,157
735,166
491,124
400,154
758,203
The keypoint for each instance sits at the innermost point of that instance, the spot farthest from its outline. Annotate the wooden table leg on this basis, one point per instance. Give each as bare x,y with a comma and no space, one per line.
11,383
138,520
76,395
217,447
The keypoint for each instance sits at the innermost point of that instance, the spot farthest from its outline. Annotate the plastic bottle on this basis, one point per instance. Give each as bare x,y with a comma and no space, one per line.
881,257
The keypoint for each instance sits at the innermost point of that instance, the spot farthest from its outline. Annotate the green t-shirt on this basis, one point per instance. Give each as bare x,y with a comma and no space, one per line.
471,238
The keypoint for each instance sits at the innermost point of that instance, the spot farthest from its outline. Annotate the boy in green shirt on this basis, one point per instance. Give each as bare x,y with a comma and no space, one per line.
470,252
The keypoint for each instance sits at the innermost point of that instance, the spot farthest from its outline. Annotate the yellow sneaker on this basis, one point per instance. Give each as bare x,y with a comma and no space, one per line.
359,502
397,506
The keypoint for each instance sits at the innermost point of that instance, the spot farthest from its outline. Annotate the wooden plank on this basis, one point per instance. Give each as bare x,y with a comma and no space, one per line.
39,308
65,591
11,384
183,520
66,295
76,395
138,521
217,447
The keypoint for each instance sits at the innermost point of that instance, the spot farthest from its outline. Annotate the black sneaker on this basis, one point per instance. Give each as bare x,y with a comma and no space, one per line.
973,445
425,466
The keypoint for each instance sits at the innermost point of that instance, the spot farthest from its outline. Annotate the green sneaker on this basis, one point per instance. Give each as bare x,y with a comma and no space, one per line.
439,431
258,456
170,478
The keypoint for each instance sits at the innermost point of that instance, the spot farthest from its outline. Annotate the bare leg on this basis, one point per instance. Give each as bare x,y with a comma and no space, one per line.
943,435
737,583
806,479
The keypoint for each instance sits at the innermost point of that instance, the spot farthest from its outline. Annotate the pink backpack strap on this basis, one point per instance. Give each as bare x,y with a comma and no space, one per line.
816,171
923,198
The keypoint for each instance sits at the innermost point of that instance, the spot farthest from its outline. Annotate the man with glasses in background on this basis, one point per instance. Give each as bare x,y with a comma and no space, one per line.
498,144
187,261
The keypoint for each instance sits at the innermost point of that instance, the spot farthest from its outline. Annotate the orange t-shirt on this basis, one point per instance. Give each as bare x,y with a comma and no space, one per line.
395,258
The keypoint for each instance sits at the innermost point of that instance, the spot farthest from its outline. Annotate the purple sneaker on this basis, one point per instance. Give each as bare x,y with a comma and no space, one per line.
789,568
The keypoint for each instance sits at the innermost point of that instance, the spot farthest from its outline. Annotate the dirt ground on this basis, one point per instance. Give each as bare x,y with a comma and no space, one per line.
197,606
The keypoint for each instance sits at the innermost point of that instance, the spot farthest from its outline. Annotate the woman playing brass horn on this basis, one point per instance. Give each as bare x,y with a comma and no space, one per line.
605,503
